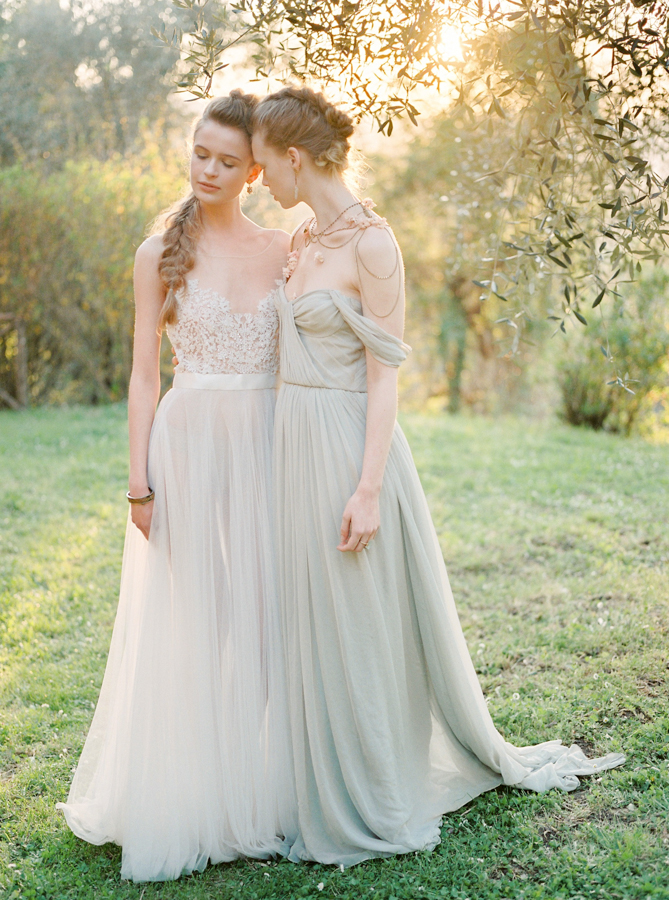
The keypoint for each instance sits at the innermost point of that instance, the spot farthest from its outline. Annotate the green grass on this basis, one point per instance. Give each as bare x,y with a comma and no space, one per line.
557,547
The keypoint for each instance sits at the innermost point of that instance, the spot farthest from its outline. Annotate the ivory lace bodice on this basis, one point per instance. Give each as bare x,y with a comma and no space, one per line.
209,338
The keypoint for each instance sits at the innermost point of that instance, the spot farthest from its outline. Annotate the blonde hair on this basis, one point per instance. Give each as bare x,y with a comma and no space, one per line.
181,224
301,117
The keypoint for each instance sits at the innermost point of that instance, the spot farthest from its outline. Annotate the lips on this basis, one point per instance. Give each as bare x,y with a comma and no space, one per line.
205,184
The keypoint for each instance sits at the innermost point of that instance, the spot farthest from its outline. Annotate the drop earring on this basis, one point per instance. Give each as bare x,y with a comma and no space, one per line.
249,188
295,185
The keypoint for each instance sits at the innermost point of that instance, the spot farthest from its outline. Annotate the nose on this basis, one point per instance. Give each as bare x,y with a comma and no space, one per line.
210,168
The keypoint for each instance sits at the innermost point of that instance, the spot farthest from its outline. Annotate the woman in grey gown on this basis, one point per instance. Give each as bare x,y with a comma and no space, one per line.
390,729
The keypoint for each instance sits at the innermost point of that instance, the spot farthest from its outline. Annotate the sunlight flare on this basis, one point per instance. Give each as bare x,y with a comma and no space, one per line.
449,45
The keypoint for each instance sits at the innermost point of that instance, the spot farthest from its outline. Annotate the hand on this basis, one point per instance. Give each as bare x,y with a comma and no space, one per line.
360,522
175,361
141,514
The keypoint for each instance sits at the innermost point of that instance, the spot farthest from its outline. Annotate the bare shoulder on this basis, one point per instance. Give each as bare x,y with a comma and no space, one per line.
380,274
377,234
275,239
149,287
149,253
377,244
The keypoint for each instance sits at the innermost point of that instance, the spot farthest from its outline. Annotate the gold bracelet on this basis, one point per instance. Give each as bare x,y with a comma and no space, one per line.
149,497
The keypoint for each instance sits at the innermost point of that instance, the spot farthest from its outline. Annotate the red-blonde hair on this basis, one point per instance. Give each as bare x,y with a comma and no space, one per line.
301,117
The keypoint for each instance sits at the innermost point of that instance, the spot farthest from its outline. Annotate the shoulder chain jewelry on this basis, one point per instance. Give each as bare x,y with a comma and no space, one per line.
359,262
352,227
317,235
357,229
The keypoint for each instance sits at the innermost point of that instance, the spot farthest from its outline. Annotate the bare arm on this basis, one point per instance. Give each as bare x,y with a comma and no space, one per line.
144,390
383,302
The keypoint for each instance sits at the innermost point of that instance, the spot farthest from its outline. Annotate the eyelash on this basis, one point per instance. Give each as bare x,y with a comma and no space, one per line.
227,165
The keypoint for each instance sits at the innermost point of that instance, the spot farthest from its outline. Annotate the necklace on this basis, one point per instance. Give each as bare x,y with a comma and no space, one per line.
317,235
227,256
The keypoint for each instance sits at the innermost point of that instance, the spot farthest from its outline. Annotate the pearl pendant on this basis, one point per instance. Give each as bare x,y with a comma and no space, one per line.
319,257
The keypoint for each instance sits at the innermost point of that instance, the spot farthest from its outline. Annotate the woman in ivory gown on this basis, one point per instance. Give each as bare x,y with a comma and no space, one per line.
188,758
390,729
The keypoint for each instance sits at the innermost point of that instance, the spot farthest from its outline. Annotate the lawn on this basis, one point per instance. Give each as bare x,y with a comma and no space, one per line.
558,550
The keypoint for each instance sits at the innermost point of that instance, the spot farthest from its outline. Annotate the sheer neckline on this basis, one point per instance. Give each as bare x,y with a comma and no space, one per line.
193,286
251,256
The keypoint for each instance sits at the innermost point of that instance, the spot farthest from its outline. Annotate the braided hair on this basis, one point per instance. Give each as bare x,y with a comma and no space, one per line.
181,224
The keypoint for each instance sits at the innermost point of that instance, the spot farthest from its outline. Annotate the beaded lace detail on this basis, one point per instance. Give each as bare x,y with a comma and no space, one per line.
209,338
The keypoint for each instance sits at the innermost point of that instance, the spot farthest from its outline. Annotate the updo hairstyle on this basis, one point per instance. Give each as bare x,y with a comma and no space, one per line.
301,117
181,224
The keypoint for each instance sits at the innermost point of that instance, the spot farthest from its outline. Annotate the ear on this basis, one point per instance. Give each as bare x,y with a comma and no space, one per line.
295,158
254,173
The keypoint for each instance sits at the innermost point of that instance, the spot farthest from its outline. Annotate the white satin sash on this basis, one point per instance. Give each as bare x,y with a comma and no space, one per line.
224,381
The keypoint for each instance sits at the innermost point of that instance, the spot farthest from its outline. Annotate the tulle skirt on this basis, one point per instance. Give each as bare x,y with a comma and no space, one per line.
389,725
188,757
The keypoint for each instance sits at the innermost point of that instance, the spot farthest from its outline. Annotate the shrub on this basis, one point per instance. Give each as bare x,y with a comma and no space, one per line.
629,343
67,245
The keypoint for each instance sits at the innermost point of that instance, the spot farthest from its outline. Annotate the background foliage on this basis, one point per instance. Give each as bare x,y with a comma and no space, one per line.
530,188
578,87
635,333
474,345
80,78
67,244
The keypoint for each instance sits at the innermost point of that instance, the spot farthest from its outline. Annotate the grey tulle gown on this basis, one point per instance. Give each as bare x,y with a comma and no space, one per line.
390,728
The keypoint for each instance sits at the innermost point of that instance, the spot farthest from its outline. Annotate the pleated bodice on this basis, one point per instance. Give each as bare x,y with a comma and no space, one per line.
323,339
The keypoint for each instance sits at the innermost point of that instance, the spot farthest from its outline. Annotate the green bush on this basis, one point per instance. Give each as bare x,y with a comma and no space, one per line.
607,373
67,245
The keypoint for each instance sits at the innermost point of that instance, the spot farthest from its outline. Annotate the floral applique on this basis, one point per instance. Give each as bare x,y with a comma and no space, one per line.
209,337
291,264
367,219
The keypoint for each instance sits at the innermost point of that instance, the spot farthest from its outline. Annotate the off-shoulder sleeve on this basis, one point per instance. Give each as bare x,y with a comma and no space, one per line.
384,347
